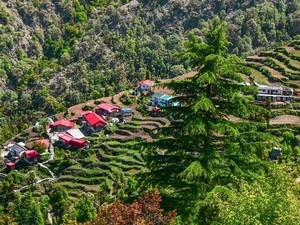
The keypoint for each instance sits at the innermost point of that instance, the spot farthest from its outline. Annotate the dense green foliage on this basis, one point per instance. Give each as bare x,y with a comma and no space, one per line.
55,54
202,152
27,211
268,200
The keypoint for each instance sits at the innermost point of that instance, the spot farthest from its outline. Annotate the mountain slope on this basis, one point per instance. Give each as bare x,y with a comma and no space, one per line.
58,53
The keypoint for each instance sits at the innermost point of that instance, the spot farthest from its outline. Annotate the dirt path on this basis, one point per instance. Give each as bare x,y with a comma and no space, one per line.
140,134
285,119
289,48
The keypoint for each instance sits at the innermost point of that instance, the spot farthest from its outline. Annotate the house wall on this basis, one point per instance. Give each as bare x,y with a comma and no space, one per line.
102,112
61,128
126,113
274,99
79,145
87,127
144,87
160,102
107,113
271,92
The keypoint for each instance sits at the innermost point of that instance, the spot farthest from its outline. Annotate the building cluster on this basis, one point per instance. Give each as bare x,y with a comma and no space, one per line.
21,154
71,134
66,134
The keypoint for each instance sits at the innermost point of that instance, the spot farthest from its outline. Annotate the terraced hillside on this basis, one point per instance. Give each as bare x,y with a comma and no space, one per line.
118,152
115,153
279,67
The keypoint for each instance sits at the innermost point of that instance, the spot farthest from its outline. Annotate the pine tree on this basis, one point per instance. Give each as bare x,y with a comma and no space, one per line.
59,199
202,147
27,211
84,207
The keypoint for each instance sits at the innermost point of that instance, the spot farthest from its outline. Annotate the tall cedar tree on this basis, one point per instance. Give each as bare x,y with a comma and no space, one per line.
202,147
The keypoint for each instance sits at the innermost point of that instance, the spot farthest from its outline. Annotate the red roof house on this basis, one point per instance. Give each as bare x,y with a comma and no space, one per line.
94,122
79,143
62,125
66,138
146,84
69,140
30,155
10,166
107,109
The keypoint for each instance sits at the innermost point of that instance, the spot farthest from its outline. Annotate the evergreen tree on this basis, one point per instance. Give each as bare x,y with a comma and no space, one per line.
84,208
203,147
27,211
59,199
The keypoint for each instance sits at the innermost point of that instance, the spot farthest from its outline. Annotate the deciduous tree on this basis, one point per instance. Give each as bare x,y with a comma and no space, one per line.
146,210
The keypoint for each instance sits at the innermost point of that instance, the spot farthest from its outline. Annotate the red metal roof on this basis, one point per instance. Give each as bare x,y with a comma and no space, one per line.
70,140
108,107
46,142
95,120
11,165
80,141
146,82
63,122
65,137
32,154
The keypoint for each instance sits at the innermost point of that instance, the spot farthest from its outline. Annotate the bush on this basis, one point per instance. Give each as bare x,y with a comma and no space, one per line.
87,107
127,100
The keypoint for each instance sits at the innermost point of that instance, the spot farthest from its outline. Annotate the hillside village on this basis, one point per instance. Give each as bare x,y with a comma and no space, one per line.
202,148
72,133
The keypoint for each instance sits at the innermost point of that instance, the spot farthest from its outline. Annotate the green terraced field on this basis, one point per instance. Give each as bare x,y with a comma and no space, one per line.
121,151
107,155
278,67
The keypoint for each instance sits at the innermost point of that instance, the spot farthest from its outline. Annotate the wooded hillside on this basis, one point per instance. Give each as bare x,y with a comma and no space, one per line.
55,54
196,149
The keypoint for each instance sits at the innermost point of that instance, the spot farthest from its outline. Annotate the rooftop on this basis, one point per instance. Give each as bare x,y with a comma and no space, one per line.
32,154
85,113
107,107
146,82
167,97
15,150
76,133
95,120
66,137
157,95
63,122
126,109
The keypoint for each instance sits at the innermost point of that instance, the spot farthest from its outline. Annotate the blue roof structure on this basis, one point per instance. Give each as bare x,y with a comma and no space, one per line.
127,110
157,95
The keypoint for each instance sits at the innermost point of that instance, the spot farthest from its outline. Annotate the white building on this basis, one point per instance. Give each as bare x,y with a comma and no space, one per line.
274,93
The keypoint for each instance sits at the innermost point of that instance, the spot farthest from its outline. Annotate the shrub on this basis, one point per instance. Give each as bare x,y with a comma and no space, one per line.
87,107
